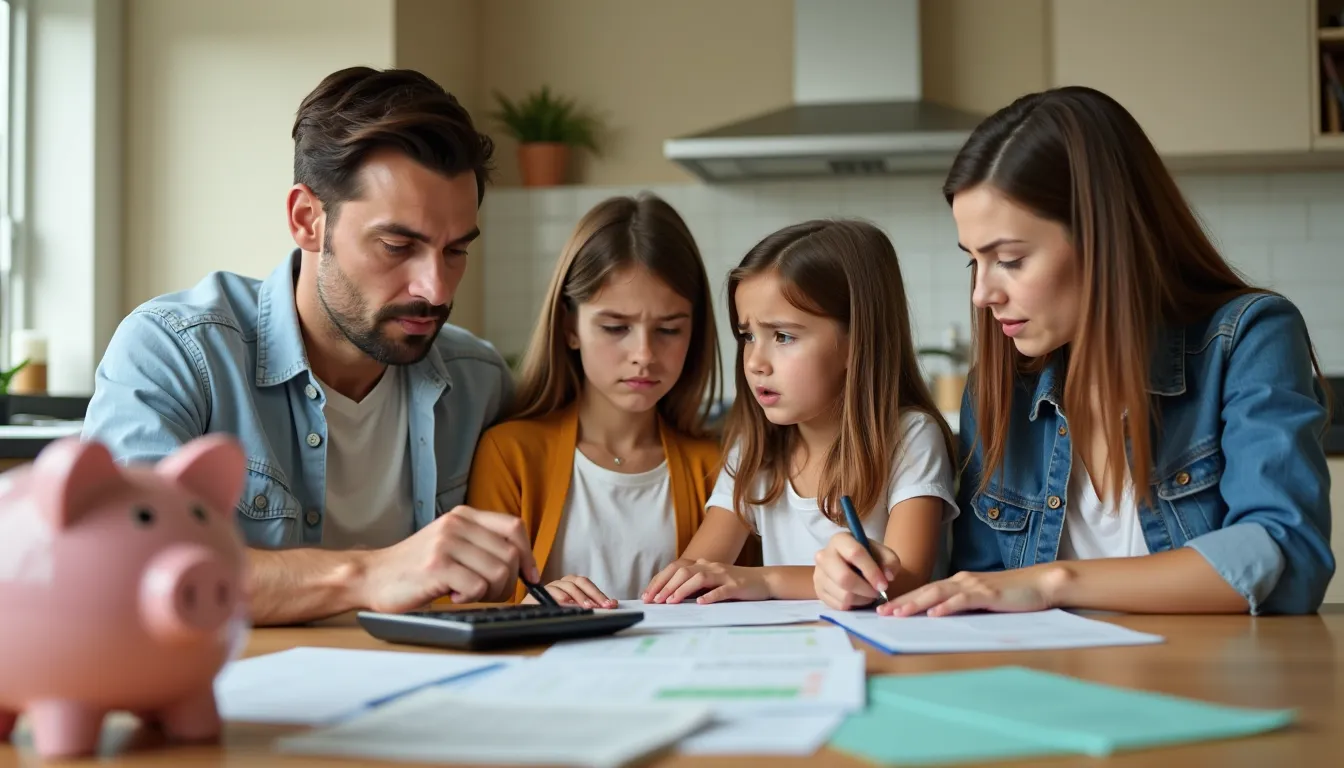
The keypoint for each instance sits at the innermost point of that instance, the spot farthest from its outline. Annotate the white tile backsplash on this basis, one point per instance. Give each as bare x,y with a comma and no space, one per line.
1284,231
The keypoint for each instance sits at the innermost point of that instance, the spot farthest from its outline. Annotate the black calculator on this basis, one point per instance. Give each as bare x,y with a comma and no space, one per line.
478,629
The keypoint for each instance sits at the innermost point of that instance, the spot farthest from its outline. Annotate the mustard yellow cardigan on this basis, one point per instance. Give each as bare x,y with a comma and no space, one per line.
524,467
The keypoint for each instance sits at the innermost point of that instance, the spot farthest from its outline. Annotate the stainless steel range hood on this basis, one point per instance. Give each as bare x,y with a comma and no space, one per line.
858,107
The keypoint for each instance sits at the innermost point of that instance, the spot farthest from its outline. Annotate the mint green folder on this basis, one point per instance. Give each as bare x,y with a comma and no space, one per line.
1014,712
887,734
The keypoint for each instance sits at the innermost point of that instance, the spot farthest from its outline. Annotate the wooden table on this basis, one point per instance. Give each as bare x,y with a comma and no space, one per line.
1261,662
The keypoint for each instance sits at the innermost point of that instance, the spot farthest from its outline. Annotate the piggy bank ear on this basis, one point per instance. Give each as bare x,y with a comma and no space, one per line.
210,467
70,475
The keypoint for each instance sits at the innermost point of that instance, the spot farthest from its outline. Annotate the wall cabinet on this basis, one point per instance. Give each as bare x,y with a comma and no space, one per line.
1212,82
1201,76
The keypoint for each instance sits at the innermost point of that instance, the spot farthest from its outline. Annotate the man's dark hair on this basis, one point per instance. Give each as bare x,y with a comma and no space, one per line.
359,110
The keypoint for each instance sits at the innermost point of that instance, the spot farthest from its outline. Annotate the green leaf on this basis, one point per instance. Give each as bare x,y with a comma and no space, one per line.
7,375
544,116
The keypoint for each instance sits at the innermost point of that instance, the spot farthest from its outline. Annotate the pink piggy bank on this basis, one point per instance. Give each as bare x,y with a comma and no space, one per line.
120,589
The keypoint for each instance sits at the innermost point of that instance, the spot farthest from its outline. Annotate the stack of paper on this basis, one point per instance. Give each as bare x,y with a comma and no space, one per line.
439,726
321,685
732,687
985,632
730,614
1006,712
797,735
709,642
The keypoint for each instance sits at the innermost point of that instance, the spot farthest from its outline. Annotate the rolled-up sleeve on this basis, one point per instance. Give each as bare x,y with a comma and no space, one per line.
1274,543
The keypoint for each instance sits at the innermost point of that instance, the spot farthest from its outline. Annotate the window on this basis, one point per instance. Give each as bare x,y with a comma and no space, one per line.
8,151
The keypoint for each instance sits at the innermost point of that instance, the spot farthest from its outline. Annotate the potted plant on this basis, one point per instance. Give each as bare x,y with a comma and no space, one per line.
547,127
5,377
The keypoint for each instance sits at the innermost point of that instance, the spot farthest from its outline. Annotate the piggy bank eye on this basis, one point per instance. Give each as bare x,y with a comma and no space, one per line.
198,512
144,516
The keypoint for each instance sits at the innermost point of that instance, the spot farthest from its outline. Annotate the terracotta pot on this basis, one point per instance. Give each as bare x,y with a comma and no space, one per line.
543,163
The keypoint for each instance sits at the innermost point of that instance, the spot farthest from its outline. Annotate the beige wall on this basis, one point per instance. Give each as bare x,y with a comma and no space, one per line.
442,39
211,92
980,55
656,69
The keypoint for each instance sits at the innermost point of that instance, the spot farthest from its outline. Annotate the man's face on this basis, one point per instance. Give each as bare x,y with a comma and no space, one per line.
392,259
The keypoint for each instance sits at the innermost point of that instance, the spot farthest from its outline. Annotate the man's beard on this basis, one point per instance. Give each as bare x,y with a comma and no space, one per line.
346,309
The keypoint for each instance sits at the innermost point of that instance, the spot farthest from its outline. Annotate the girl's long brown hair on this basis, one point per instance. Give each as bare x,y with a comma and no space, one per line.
616,233
1075,156
847,271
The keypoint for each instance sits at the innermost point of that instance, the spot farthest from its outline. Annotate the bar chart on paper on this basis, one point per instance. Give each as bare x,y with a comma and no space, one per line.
720,642
733,688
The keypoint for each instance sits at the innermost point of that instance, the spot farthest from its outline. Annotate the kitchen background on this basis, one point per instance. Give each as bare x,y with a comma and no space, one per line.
147,142
1282,230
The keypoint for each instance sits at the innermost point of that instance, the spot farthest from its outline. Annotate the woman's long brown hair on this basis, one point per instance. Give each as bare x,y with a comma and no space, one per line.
620,232
846,271
1077,157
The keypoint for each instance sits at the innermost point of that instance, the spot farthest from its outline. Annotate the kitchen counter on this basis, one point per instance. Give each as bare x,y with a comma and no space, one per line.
25,442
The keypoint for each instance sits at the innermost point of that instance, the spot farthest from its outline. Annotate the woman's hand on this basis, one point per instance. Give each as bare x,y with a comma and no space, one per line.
1019,589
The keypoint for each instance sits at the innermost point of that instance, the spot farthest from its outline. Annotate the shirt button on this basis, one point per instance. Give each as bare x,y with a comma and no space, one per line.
259,501
993,513
1182,478
1063,430
310,391
1053,502
314,439
312,518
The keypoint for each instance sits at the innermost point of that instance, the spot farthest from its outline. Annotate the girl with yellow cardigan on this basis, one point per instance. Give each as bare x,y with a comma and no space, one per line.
605,458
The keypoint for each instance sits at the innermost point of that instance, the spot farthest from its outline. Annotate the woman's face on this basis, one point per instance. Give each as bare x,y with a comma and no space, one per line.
1026,269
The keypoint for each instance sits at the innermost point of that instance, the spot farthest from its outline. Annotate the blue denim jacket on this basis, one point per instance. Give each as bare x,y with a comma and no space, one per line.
227,356
1239,472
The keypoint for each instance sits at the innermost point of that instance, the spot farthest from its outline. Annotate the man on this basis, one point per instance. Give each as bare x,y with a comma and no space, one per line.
358,407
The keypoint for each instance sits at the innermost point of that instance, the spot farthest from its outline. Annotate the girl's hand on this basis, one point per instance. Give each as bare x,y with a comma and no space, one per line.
716,580
577,590
837,583
1015,590
661,578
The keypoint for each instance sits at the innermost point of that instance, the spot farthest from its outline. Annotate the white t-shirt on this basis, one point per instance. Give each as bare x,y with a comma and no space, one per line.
368,495
793,529
1091,529
618,529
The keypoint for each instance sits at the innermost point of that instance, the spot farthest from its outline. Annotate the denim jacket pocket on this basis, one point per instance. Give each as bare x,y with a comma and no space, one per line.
1190,495
451,493
1009,523
268,514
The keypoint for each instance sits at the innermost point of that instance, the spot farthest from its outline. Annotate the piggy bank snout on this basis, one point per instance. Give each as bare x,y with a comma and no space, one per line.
187,593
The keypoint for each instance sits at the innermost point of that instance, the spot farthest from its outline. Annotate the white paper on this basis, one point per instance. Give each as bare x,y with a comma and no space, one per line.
798,736
730,614
733,687
1037,630
437,726
320,685
709,642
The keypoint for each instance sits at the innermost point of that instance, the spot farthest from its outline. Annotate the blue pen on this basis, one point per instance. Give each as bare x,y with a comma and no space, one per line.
856,530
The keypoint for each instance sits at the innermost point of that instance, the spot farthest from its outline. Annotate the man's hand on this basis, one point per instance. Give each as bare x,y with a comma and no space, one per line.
467,554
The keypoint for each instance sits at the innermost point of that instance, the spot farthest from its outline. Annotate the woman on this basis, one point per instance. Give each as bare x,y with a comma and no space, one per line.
1108,328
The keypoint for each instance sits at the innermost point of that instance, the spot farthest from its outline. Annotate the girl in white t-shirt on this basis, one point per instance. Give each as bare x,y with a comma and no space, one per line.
830,402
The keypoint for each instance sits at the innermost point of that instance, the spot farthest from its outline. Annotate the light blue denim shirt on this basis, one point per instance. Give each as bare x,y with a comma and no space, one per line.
1239,472
227,356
